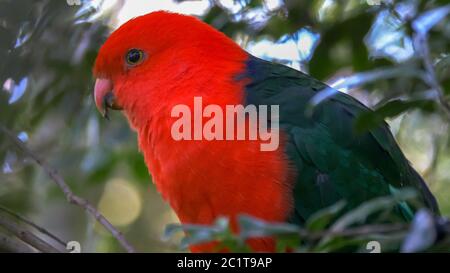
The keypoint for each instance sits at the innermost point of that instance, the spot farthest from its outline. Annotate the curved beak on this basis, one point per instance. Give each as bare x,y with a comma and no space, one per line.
104,97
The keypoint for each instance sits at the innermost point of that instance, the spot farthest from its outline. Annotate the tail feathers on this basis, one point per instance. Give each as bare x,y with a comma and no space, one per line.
427,196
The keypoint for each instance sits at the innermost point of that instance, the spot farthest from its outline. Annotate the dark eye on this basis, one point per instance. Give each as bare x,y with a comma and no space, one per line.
134,56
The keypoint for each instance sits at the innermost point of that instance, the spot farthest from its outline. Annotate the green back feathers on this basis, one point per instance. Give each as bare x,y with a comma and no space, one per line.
331,160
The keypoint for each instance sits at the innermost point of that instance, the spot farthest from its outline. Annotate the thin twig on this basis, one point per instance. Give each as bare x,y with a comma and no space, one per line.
39,228
26,236
421,43
70,196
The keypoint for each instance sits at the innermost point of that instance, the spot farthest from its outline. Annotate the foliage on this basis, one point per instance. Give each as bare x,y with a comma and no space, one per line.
331,231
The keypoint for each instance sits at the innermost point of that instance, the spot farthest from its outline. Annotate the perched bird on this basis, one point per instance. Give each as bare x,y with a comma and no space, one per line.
160,60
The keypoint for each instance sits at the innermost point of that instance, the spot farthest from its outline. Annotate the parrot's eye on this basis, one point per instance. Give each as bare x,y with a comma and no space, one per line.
134,57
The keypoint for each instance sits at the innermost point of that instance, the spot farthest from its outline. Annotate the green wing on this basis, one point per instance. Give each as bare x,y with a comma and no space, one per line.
332,162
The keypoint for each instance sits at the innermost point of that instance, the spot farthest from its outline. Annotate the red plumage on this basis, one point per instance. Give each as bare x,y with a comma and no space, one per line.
200,179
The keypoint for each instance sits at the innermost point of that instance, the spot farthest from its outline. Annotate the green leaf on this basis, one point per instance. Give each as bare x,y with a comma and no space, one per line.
360,214
254,227
321,219
339,244
369,120
196,234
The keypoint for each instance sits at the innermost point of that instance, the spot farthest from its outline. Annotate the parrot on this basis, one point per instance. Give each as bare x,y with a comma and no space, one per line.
157,61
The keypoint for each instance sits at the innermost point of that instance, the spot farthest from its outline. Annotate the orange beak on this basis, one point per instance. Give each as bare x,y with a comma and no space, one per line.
104,97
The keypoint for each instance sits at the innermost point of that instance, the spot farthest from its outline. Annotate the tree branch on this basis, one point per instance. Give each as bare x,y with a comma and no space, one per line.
28,222
421,44
11,245
70,196
26,236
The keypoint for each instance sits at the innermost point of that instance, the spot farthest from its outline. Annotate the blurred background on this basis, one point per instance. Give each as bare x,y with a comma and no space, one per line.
47,48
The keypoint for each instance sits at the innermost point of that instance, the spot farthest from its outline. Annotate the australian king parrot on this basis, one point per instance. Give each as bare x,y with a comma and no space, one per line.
156,68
